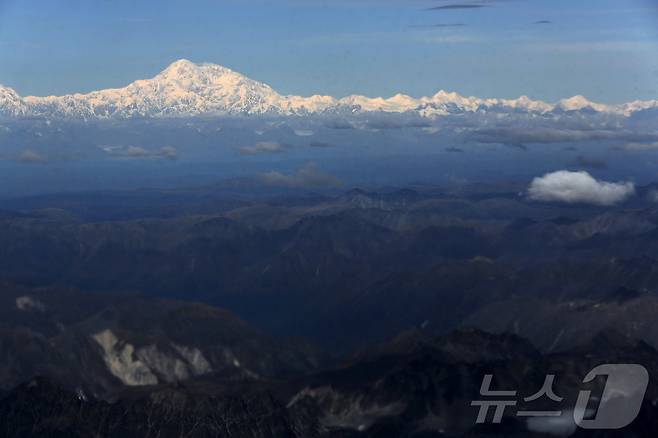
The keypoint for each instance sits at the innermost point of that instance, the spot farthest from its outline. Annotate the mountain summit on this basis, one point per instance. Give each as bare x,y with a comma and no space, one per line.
187,89
182,89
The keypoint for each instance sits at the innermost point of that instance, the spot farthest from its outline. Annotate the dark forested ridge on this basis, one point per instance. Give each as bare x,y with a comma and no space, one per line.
361,313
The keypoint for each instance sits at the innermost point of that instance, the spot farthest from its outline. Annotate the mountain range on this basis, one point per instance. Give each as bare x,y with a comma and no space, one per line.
186,89
355,267
373,314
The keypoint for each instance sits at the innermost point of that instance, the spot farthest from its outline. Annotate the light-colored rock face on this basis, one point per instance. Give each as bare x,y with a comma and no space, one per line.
149,365
345,410
121,361
186,89
196,362
26,303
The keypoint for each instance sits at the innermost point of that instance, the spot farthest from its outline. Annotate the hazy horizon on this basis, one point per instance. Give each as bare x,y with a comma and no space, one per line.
503,49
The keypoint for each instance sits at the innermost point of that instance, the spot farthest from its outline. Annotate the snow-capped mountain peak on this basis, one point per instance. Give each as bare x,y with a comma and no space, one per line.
186,89
202,78
11,104
579,102
186,68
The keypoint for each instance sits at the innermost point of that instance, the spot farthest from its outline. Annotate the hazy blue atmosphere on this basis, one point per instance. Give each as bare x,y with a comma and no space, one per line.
186,121
603,49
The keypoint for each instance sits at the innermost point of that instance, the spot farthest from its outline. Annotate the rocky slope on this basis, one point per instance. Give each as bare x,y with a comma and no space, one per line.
412,387
99,344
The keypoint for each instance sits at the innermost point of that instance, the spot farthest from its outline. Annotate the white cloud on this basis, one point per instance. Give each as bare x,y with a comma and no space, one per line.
304,132
578,187
30,157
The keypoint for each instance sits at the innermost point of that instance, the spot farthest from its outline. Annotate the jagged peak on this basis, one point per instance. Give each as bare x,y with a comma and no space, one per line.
7,90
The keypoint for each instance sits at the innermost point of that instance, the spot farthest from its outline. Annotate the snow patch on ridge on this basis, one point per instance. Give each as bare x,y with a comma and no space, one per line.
346,411
27,303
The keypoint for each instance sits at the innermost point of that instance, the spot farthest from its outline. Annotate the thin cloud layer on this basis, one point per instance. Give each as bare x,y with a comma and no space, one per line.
534,133
590,162
456,6
637,146
578,188
437,25
307,176
166,152
653,196
30,157
321,144
262,147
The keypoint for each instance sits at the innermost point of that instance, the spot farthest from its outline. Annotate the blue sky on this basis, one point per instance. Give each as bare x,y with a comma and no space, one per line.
603,49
